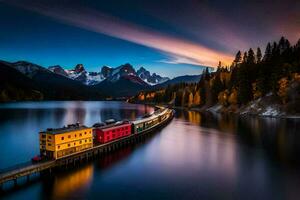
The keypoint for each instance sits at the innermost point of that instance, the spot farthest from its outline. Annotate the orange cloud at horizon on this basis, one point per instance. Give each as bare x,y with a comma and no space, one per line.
179,50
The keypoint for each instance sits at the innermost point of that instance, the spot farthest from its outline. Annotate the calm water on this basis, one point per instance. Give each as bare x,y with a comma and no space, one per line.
197,156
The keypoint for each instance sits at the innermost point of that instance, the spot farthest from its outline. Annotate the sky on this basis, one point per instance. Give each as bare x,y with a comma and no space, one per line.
169,37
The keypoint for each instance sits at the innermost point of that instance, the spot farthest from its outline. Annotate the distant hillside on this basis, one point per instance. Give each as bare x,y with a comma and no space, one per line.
16,86
124,87
128,86
180,79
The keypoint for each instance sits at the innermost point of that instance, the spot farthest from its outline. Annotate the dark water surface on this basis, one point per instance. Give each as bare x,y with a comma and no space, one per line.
197,156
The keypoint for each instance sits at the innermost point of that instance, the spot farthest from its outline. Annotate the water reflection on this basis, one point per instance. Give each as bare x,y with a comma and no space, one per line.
113,158
197,156
21,122
278,137
70,183
179,148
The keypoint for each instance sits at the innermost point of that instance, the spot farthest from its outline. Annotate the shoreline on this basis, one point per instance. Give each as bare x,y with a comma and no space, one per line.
203,109
206,109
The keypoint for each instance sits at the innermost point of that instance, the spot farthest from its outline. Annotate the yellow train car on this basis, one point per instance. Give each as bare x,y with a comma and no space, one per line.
56,143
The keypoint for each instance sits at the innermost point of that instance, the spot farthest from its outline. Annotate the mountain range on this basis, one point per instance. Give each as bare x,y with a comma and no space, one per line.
27,81
108,73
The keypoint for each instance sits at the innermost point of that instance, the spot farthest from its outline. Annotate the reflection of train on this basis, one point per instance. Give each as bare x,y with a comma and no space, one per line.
57,143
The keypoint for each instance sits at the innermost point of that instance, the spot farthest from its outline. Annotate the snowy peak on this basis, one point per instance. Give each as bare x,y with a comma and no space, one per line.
151,79
80,74
57,69
94,78
79,68
126,71
121,71
106,71
143,73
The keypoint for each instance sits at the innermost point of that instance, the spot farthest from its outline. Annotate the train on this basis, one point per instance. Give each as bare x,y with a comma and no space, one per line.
74,138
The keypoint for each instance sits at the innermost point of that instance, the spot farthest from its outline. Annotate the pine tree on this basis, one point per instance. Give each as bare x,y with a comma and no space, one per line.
245,57
233,78
244,85
275,53
262,82
238,58
283,45
197,100
251,56
216,88
207,75
268,52
258,55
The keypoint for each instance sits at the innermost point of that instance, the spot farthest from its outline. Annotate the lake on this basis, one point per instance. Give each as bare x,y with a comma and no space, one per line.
196,156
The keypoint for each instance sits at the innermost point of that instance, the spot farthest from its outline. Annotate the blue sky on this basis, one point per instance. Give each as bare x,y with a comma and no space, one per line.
171,38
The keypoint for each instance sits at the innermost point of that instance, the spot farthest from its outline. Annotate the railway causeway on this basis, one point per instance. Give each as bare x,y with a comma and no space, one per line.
28,169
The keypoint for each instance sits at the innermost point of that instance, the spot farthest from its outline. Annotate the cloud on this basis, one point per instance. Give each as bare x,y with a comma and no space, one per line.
174,59
179,50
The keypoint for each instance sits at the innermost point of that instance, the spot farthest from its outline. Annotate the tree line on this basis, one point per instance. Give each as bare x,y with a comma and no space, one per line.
252,75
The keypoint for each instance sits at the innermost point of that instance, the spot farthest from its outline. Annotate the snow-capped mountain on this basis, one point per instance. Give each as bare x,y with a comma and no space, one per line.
58,70
105,71
141,76
79,74
151,79
122,71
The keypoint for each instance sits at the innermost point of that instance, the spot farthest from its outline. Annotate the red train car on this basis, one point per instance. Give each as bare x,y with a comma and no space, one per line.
112,132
